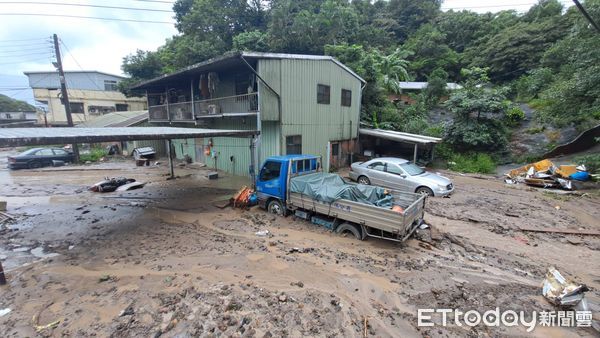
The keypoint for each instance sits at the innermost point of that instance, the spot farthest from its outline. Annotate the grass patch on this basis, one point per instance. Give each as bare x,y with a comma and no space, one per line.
535,130
473,163
94,155
591,162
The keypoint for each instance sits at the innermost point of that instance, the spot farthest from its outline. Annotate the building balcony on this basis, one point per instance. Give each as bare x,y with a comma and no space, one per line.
230,106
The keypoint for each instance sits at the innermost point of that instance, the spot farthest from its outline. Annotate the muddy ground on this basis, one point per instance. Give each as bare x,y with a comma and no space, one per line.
164,261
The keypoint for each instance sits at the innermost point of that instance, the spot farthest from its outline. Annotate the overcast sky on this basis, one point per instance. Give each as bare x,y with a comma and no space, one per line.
101,45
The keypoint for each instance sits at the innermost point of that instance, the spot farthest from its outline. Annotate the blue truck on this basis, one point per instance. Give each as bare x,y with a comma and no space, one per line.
295,184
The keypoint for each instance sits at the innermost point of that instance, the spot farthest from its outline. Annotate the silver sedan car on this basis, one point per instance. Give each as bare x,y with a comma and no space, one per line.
400,174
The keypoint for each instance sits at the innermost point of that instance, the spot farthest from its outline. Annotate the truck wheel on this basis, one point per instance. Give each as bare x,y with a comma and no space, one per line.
425,191
350,228
364,180
275,207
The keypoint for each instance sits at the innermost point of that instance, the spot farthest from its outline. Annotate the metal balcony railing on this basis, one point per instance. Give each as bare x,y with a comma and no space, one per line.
218,107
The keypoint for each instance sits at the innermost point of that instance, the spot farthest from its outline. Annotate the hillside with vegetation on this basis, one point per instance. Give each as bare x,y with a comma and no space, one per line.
541,66
8,104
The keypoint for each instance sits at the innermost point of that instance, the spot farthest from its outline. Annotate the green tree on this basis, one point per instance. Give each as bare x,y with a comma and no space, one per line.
436,87
393,69
478,110
463,29
255,40
408,15
430,51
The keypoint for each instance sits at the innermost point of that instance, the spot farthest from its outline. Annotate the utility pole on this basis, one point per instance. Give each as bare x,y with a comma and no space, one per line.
63,89
587,16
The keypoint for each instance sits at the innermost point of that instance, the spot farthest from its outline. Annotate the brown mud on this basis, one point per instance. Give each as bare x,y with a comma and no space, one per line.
163,261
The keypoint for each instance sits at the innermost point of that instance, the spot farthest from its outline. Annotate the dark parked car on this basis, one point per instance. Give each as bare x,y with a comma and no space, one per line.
39,157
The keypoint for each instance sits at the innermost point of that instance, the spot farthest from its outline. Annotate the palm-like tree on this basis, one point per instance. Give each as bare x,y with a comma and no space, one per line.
393,69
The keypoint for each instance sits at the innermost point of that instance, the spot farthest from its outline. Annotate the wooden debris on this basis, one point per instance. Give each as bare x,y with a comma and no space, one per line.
562,231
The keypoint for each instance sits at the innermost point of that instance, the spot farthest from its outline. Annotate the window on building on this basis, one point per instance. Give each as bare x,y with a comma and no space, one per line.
323,94
76,107
270,171
122,107
110,85
335,149
346,98
293,145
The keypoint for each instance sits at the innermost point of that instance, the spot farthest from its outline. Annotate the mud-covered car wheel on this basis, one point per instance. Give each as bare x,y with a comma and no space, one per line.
275,207
364,180
34,165
425,191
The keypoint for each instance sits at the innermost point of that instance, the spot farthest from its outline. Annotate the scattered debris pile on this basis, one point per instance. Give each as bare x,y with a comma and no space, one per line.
245,197
562,291
116,184
567,294
546,174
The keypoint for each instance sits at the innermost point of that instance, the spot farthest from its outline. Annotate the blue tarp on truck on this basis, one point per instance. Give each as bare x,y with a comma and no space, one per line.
329,188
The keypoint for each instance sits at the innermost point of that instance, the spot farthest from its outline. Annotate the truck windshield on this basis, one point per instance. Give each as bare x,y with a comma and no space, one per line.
412,169
270,171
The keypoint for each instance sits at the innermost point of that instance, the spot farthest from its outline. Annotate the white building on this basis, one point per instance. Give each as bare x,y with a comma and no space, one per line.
91,94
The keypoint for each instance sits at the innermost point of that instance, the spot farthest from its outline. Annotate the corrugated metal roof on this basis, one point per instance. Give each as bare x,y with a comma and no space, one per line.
75,71
12,137
116,119
227,58
423,85
399,136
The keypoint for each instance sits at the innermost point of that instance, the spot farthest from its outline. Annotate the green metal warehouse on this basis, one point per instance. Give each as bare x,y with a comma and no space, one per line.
300,104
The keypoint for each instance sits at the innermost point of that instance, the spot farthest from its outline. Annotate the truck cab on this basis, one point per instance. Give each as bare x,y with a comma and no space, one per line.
274,175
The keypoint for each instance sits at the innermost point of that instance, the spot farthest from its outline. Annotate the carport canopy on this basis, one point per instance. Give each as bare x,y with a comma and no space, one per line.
402,137
15,137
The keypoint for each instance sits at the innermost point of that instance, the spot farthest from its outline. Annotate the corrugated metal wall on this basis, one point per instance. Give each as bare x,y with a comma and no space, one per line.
270,71
270,137
228,147
317,123
185,147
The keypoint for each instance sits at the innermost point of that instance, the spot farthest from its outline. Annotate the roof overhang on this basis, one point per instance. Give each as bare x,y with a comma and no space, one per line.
15,137
228,61
73,72
399,136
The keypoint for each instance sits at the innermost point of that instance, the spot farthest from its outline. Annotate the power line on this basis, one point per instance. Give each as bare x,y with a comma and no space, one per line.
587,16
25,61
158,1
25,50
27,54
495,6
86,5
84,17
87,75
19,40
29,44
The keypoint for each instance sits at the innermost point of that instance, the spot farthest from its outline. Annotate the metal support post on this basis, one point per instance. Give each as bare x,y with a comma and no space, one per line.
2,277
415,155
253,161
171,170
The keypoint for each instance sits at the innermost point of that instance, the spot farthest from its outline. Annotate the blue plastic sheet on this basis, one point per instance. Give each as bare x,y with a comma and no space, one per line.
331,187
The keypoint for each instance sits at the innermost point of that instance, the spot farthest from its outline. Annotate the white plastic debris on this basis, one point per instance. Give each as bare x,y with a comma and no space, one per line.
262,233
424,226
4,312
562,291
